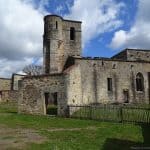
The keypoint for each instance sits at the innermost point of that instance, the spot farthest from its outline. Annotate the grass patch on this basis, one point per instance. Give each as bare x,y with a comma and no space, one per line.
75,134
8,107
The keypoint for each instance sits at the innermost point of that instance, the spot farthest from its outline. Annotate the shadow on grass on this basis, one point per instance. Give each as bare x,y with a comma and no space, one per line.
12,112
8,112
146,134
117,144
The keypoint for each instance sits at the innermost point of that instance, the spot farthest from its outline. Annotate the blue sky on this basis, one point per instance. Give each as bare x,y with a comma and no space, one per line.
99,46
108,26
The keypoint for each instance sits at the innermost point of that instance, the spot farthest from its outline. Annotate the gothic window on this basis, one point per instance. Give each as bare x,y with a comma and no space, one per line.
139,82
109,84
72,33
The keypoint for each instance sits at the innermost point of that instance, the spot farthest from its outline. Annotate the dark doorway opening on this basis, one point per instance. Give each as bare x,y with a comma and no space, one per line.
126,96
51,103
55,98
46,100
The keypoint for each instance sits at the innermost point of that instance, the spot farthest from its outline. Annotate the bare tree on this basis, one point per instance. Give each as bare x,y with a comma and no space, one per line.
33,70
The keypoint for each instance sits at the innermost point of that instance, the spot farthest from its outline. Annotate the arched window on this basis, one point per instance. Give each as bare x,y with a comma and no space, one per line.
139,82
72,33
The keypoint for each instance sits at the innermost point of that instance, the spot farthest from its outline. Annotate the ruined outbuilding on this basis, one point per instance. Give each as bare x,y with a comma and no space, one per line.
70,79
9,88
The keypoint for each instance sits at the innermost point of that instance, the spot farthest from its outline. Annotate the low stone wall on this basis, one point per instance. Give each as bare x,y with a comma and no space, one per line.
9,96
5,84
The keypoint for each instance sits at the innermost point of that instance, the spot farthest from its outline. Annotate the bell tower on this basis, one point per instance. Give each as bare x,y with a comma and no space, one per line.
61,39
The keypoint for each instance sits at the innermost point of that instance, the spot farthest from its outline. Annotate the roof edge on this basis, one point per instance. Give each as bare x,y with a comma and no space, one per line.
54,15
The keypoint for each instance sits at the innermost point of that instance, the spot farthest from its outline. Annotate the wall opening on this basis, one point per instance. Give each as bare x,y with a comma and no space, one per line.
126,96
51,103
109,84
46,100
56,25
72,33
139,82
47,58
55,98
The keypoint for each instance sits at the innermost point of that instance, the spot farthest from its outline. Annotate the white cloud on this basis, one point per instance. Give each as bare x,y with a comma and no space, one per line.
119,38
21,29
59,9
97,16
139,34
8,67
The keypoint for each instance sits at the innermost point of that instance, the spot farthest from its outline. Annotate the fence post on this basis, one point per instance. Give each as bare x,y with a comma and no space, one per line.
90,112
121,114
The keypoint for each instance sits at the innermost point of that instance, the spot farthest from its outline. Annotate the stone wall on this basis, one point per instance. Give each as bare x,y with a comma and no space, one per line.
87,81
5,84
6,94
73,85
33,91
133,55
9,96
138,55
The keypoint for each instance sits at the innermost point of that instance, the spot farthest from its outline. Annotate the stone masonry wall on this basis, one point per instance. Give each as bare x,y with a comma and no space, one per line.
74,86
5,84
88,81
137,55
133,55
32,98
9,96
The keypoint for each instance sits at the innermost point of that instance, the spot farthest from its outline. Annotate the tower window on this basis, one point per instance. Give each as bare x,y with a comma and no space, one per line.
109,84
72,33
139,82
56,25
47,57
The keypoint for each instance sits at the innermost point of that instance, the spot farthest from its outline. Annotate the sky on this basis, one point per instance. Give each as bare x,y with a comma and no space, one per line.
108,26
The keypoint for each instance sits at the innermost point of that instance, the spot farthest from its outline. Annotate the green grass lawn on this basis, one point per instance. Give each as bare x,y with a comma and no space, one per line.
73,134
8,107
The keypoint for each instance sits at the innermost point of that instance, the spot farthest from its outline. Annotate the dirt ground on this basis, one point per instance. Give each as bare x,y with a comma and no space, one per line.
18,139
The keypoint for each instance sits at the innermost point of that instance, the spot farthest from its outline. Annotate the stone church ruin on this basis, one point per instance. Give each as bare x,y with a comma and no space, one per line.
71,79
